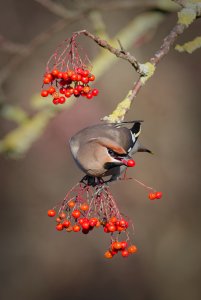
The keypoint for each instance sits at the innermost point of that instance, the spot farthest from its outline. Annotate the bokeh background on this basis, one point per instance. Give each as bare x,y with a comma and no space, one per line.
36,261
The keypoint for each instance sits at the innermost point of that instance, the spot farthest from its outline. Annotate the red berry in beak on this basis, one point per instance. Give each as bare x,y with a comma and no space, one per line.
158,195
130,163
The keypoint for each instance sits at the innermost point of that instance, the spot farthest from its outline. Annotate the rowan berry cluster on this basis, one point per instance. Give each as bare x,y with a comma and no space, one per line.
122,247
63,85
115,225
68,73
85,208
74,219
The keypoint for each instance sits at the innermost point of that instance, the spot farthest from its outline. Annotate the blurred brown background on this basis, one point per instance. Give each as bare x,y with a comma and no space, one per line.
39,263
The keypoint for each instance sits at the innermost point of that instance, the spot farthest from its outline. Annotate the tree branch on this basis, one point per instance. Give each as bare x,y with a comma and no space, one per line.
118,52
185,17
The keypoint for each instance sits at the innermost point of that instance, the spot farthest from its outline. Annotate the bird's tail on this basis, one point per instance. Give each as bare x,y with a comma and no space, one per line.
136,128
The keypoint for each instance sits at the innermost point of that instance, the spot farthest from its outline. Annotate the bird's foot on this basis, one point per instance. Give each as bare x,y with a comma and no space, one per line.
92,181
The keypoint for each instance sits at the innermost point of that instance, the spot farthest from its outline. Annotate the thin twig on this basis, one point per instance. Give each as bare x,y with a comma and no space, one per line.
119,53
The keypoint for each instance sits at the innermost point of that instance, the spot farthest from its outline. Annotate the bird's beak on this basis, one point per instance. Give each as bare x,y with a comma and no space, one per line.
123,160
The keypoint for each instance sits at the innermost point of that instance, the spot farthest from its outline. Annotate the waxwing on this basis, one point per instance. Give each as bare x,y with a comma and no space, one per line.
104,149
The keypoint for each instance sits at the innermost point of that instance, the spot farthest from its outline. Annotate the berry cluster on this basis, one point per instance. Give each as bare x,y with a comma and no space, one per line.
122,247
74,219
156,195
63,85
85,208
115,225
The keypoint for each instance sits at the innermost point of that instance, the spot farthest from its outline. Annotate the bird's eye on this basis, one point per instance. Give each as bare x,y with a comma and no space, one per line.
111,153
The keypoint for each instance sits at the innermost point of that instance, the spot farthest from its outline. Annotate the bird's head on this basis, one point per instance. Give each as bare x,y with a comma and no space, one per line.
108,153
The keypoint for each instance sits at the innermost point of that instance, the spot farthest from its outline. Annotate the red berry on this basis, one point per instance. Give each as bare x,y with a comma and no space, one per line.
106,230
60,75
116,245
91,77
152,196
130,163
76,228
69,229
62,215
49,76
76,92
158,195
46,80
44,93
85,225
51,90
86,89
59,227
70,73
113,252
55,101
62,100
71,90
123,245
74,77
65,76
51,213
79,88
82,220
85,73
79,77
55,72
76,214
122,223
79,70
85,79
132,249
95,92
124,253
89,96
62,91
84,206
67,94
98,223
108,254
113,219
93,222
112,228
55,95
71,203
66,223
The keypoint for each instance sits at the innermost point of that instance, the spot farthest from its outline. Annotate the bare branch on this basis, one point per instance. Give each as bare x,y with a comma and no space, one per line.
119,53
11,47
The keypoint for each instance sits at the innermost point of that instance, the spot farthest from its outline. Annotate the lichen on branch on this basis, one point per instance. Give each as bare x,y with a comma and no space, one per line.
190,46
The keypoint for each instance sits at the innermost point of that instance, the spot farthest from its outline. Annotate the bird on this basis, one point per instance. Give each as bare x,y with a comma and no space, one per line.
104,149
